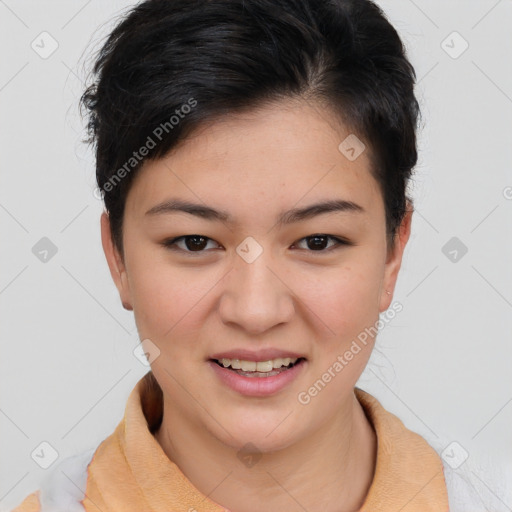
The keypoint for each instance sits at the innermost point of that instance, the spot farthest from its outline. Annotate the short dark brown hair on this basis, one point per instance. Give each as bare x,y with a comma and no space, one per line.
170,65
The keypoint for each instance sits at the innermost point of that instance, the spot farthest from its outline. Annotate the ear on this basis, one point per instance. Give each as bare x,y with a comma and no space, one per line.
115,263
394,259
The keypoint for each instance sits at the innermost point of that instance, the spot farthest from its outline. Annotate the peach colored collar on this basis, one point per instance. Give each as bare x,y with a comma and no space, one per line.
130,466
409,473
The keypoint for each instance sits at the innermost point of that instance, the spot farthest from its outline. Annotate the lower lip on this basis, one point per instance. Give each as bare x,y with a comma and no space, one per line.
257,386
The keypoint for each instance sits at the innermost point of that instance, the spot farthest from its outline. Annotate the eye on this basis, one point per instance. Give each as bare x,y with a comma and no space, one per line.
317,242
198,243
192,243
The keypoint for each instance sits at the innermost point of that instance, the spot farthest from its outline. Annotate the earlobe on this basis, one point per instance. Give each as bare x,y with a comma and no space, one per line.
115,262
394,259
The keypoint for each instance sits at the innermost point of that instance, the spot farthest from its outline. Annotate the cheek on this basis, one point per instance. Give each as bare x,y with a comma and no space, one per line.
163,297
170,302
347,299
347,306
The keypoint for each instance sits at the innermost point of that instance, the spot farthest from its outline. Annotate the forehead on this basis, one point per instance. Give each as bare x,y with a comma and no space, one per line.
282,153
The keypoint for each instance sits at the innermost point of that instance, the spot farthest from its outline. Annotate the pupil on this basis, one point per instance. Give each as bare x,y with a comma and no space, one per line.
316,245
193,246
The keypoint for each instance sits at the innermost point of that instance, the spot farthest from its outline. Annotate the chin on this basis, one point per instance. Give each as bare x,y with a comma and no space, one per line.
266,434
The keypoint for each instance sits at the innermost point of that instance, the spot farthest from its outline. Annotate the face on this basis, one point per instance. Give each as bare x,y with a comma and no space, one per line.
251,283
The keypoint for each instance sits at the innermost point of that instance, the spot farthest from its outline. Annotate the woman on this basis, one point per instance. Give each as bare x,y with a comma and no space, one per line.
254,159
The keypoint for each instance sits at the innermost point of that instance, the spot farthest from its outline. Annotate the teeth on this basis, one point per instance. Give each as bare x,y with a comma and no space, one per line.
257,366
248,366
264,366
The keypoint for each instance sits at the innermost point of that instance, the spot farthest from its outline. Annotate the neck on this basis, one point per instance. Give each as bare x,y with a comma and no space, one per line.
330,471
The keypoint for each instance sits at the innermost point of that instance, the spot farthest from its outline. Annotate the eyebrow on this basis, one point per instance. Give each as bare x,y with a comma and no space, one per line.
289,217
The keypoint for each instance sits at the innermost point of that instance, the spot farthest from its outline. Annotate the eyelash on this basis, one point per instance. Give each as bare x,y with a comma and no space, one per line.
171,244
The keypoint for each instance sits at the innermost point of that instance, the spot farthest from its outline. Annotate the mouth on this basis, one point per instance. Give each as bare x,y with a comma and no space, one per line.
259,369
259,377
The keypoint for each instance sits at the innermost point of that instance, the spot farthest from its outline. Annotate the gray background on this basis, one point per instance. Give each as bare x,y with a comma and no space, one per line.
443,364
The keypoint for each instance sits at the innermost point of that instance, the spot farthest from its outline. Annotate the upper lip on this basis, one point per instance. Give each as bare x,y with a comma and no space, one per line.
256,355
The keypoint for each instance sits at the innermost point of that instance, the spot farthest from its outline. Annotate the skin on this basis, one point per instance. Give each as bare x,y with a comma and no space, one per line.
320,456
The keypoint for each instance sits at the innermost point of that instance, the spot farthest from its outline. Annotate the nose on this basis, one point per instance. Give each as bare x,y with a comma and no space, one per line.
256,296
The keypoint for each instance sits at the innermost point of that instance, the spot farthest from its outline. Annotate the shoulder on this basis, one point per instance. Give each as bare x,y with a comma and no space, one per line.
473,486
30,504
64,487
473,481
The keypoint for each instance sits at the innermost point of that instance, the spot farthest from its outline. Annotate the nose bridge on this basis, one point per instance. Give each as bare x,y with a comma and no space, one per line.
255,297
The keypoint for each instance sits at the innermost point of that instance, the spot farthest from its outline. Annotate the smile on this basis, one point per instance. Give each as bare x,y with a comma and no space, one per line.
258,368
257,378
